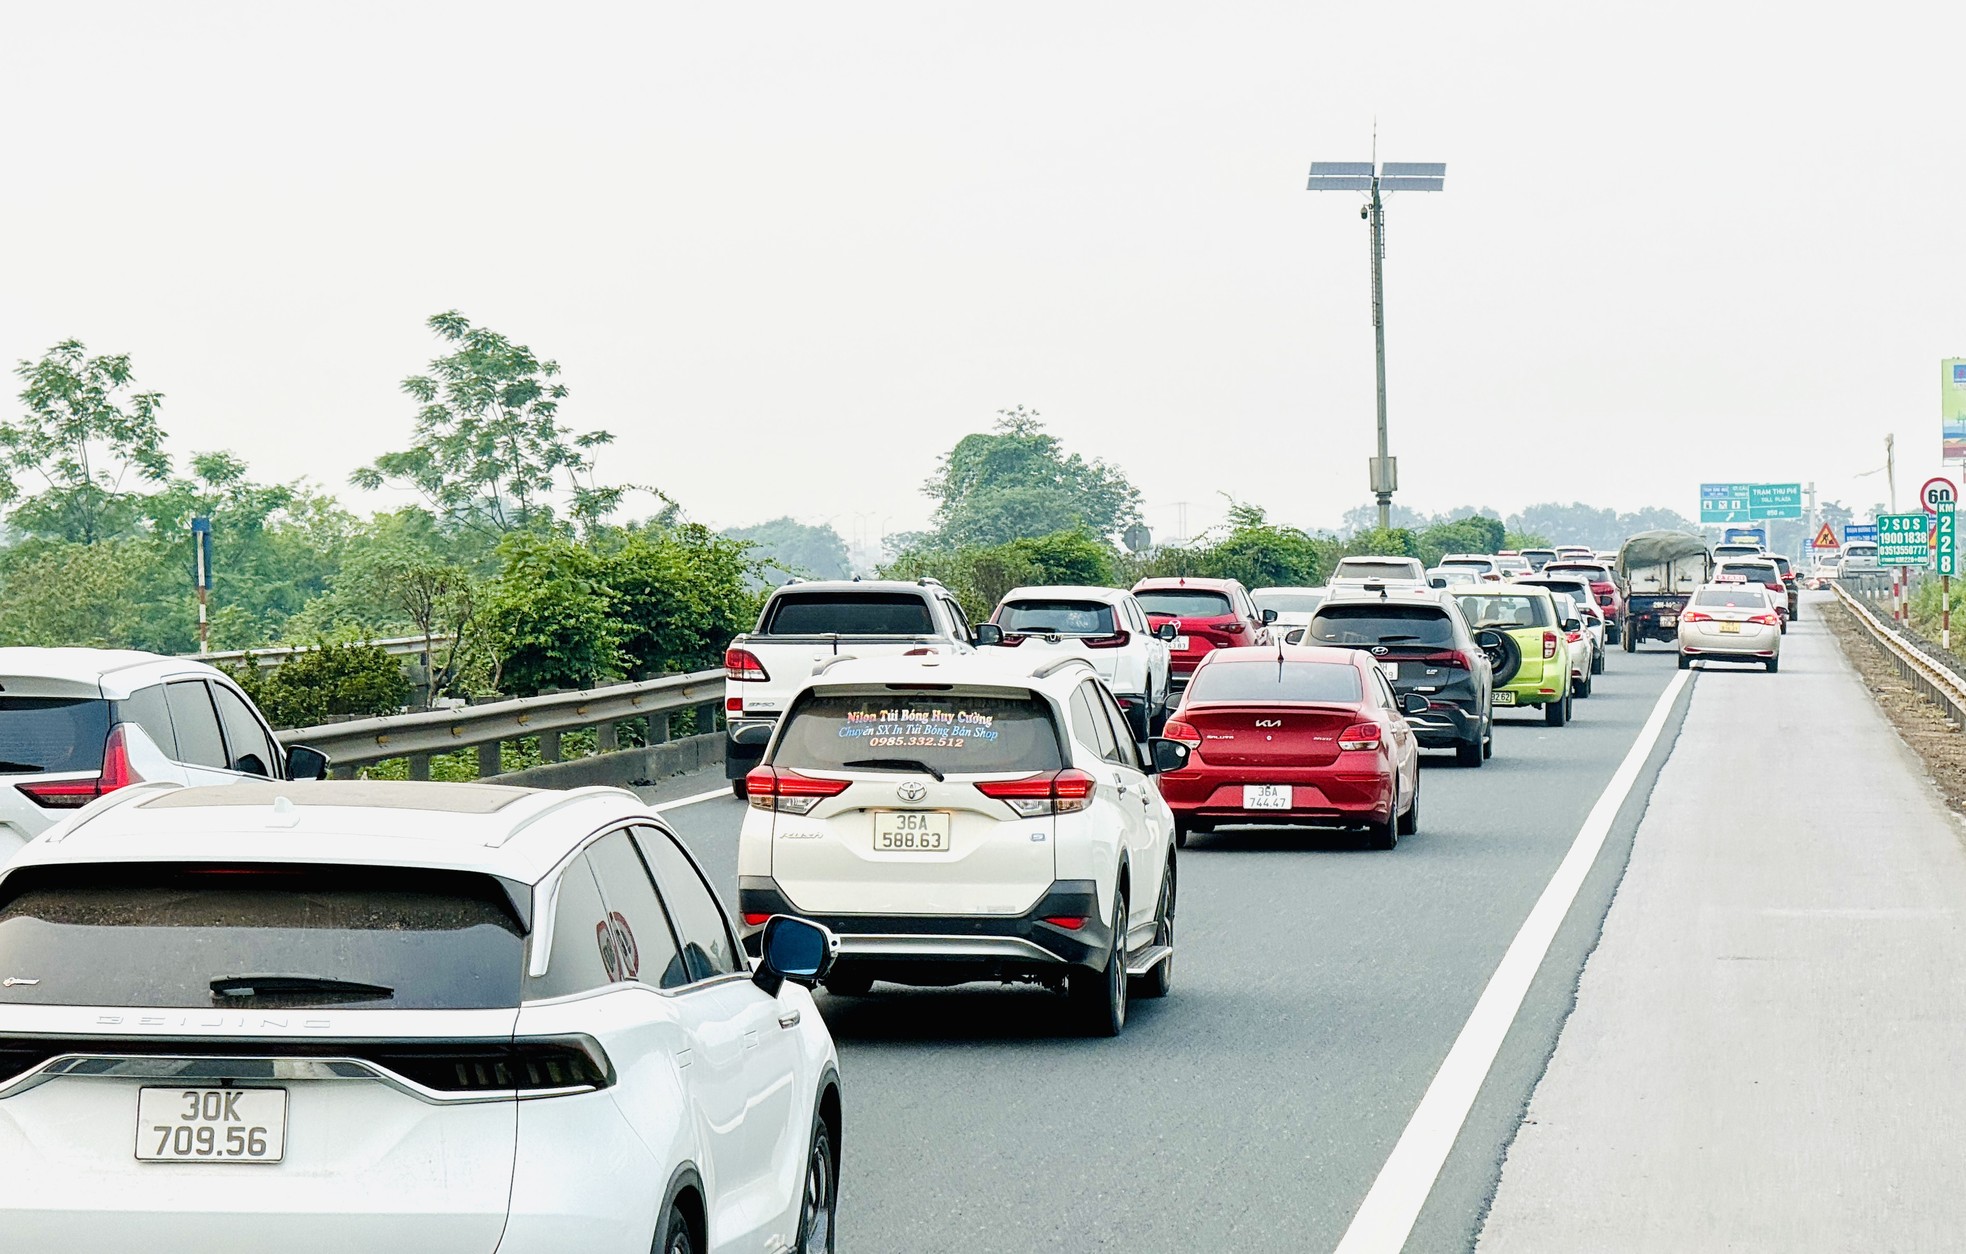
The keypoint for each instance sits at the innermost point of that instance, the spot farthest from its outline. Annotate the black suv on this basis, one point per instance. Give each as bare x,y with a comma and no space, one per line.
1424,645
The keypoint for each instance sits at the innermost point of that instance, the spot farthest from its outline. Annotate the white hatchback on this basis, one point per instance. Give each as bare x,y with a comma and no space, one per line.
964,818
337,1017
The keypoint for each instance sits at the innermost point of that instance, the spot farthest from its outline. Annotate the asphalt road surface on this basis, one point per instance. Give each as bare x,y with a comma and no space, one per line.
1318,987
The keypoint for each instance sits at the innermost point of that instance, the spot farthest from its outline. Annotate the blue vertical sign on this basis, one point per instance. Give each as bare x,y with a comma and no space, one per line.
201,554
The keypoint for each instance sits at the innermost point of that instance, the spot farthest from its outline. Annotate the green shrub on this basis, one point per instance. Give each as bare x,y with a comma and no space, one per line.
335,680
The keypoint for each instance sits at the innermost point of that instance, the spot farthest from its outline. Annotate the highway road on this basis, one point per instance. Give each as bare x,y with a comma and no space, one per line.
1319,988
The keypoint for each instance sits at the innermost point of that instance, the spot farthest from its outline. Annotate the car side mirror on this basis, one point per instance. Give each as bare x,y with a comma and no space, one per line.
1269,616
986,634
1573,624
1294,636
1166,755
1167,631
1437,582
306,763
1414,703
792,949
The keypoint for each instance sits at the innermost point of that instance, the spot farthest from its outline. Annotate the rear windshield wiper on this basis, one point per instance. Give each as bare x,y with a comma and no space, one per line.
256,985
1397,639
894,764
15,768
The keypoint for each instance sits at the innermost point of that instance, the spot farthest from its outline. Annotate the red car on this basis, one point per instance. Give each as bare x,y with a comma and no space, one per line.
1603,587
1210,614
1295,736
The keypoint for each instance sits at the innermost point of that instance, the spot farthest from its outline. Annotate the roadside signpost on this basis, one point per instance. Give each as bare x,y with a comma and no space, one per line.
1722,503
1937,492
1945,551
1860,533
1825,539
1903,541
201,577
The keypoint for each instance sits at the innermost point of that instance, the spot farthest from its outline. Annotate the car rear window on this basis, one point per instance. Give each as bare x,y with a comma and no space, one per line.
1184,602
1287,602
1503,612
1350,569
1757,572
1587,571
160,934
1268,681
1733,599
894,730
848,614
1378,623
1569,587
51,734
1064,618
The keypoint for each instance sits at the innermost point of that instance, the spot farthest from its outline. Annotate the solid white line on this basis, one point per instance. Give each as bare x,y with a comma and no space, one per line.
680,802
1385,1219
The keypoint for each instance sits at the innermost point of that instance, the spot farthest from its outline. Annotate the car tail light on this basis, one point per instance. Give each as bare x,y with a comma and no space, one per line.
1361,736
540,1067
1455,660
1695,616
1070,922
1118,640
1233,629
1054,792
755,918
733,705
1766,620
743,665
1549,644
1777,586
73,794
1010,641
1183,732
1573,636
789,792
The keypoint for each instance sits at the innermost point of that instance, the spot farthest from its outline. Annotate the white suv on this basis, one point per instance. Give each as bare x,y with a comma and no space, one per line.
391,1016
1106,627
964,818
78,723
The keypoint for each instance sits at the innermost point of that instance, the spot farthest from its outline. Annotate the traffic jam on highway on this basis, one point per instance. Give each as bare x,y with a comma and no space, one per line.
547,1033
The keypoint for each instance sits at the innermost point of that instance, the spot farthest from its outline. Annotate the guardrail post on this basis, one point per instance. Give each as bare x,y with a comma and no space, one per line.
488,760
706,717
659,728
605,740
420,766
549,746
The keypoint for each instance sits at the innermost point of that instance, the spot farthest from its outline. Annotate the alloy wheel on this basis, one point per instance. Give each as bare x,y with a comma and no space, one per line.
817,1205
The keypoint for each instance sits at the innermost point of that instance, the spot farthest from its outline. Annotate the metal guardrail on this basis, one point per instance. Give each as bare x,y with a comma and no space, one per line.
1942,685
485,727
277,654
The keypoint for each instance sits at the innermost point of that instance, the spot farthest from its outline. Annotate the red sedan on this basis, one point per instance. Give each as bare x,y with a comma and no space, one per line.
1298,737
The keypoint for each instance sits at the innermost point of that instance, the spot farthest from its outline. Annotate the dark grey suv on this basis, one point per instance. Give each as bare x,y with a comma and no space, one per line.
1424,645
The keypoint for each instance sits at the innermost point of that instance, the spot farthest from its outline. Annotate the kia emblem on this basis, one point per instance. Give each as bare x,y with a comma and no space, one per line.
911,791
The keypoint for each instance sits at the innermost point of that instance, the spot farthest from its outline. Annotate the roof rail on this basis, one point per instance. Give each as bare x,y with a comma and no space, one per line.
566,800
930,581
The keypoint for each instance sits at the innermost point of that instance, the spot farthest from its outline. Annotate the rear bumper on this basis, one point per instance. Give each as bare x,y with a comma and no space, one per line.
952,949
1445,725
739,759
1316,796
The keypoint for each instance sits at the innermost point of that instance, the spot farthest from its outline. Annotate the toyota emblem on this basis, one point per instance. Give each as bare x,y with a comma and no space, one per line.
911,791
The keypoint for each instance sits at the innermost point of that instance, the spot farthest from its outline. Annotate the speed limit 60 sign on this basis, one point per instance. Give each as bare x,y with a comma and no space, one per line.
1938,491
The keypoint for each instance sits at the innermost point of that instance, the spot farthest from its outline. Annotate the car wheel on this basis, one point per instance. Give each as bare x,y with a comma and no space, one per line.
1597,662
820,1202
1504,654
1785,626
1100,996
1627,641
1557,712
849,984
1774,664
676,1236
1582,688
738,790
1384,835
1470,752
1409,823
1160,980
1488,738
1685,663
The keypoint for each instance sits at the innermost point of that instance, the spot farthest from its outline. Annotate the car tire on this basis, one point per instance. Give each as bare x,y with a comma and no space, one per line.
1488,739
1627,642
1557,712
1504,654
676,1235
1471,752
1613,633
819,1194
849,983
1785,626
1597,662
1685,662
739,790
1099,996
1384,836
1408,824
1774,664
1582,688
1160,981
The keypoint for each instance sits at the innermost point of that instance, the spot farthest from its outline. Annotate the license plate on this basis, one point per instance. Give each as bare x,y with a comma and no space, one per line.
1730,629
1668,620
1391,669
911,831
211,1125
1266,796
1505,698
1179,644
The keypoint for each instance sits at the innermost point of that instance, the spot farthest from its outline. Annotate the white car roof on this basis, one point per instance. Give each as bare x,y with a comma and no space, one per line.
862,585
988,667
1067,591
489,828
1290,591
113,673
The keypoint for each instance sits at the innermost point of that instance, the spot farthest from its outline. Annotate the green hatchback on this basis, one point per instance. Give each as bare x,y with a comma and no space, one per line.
1517,627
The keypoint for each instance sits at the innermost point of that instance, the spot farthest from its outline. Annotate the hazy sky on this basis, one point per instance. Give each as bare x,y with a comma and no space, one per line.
789,253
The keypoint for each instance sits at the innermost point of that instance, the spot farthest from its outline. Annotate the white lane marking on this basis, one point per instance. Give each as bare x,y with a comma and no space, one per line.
680,802
1385,1219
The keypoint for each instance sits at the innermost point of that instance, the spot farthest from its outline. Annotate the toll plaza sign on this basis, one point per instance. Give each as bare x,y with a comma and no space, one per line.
1749,502
1904,539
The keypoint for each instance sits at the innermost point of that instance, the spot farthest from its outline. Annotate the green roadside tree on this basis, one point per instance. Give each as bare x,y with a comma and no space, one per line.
549,618
1017,482
488,450
91,439
679,594
785,548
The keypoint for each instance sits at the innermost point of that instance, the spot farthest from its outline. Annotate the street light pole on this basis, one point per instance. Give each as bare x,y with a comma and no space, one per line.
1372,178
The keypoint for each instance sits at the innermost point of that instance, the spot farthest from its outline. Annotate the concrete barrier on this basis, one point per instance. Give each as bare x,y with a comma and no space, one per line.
624,768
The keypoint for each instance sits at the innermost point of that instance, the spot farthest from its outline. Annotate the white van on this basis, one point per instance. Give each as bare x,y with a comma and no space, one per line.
1859,555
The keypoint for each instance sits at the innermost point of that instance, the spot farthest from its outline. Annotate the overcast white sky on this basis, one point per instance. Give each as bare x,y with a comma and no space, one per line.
789,253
